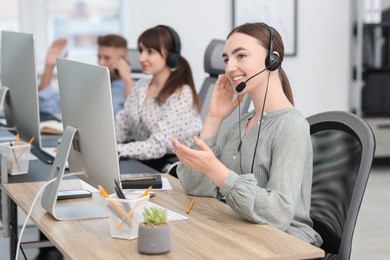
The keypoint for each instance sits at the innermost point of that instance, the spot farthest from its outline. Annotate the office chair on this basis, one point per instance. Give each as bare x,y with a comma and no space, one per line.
214,65
343,151
136,67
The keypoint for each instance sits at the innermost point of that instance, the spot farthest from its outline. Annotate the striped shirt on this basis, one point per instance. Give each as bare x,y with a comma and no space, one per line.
278,192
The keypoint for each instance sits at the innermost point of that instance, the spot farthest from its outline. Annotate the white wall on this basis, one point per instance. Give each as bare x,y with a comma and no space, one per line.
319,73
196,21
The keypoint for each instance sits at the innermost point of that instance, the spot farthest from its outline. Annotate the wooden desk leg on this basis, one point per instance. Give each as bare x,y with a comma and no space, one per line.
13,237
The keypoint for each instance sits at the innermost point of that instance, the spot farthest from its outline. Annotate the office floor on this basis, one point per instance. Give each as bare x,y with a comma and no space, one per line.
372,236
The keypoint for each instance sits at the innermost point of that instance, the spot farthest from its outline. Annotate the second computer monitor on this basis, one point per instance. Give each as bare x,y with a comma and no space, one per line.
18,74
86,105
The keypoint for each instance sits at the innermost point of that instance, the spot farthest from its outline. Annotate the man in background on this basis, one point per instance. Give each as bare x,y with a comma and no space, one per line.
112,53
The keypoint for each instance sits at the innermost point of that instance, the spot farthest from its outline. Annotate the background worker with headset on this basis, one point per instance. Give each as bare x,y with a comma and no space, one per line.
161,107
112,53
263,168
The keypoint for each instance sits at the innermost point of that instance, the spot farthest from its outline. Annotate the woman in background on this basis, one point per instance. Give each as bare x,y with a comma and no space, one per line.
161,107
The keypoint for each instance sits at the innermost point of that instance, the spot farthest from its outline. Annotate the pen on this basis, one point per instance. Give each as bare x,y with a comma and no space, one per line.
128,215
190,206
145,178
118,190
133,208
116,206
119,216
121,195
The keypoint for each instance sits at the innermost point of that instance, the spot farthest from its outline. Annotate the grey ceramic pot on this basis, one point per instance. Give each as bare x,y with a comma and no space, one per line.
154,240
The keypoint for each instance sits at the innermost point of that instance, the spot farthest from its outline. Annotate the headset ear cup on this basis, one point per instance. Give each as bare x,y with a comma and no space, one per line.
173,59
272,61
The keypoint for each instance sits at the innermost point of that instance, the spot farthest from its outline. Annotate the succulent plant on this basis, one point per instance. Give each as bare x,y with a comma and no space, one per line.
155,216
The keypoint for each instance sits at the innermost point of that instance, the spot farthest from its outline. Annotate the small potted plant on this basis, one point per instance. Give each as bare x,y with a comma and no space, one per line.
154,235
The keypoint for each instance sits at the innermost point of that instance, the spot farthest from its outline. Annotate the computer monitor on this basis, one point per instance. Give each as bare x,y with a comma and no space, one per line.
19,78
89,141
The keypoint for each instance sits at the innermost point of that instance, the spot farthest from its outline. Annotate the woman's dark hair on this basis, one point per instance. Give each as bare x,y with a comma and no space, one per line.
160,38
260,32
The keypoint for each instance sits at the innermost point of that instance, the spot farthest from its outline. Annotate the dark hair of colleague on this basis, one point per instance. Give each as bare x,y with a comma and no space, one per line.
112,40
160,107
160,38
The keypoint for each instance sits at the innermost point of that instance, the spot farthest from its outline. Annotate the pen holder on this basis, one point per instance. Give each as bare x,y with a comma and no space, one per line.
18,157
125,216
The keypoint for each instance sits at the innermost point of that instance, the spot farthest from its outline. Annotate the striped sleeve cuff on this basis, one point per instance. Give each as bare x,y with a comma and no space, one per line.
212,141
229,183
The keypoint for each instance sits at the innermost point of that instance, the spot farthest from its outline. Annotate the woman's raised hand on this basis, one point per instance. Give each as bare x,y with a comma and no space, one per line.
222,102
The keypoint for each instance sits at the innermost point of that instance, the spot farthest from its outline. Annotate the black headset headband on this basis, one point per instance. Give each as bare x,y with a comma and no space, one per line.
272,61
174,56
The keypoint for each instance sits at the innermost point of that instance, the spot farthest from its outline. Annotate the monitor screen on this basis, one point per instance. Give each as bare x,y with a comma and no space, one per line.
86,104
18,74
88,144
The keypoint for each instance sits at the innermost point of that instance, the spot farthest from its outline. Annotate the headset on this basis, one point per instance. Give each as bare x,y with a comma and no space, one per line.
272,61
173,57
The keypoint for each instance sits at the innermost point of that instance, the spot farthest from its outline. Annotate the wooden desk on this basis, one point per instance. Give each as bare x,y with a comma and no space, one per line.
214,231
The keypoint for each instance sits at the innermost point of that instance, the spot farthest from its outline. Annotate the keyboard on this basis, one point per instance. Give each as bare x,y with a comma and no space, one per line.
172,216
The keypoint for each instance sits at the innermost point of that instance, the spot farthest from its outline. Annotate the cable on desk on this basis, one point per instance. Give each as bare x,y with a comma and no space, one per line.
32,207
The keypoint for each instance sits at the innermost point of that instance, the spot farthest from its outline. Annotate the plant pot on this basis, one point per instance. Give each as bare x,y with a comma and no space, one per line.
154,240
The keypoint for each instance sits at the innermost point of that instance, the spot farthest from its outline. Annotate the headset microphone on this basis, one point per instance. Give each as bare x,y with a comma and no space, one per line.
240,87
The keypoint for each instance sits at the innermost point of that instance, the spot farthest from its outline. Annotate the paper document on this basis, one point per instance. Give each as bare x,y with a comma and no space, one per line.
51,127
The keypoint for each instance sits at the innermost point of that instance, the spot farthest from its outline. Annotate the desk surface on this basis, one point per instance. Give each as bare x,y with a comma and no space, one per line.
213,231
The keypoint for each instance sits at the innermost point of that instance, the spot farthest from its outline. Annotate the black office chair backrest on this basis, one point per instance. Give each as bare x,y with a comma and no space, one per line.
343,151
134,60
214,65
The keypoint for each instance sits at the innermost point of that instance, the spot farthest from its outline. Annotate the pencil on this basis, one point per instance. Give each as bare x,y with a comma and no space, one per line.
190,206
128,214
17,139
26,148
15,162
115,205
147,191
31,140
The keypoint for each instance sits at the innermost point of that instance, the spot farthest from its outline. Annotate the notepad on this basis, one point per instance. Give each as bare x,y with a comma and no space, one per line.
51,127
141,181
172,215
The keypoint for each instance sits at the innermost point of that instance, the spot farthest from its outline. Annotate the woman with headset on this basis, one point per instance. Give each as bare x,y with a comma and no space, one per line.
161,107
263,168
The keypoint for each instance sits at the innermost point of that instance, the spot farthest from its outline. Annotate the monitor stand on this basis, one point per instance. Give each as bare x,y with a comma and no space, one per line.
3,94
4,100
73,210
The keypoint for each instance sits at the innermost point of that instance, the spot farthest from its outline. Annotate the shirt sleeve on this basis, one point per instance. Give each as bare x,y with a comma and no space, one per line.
49,101
178,119
276,203
197,183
